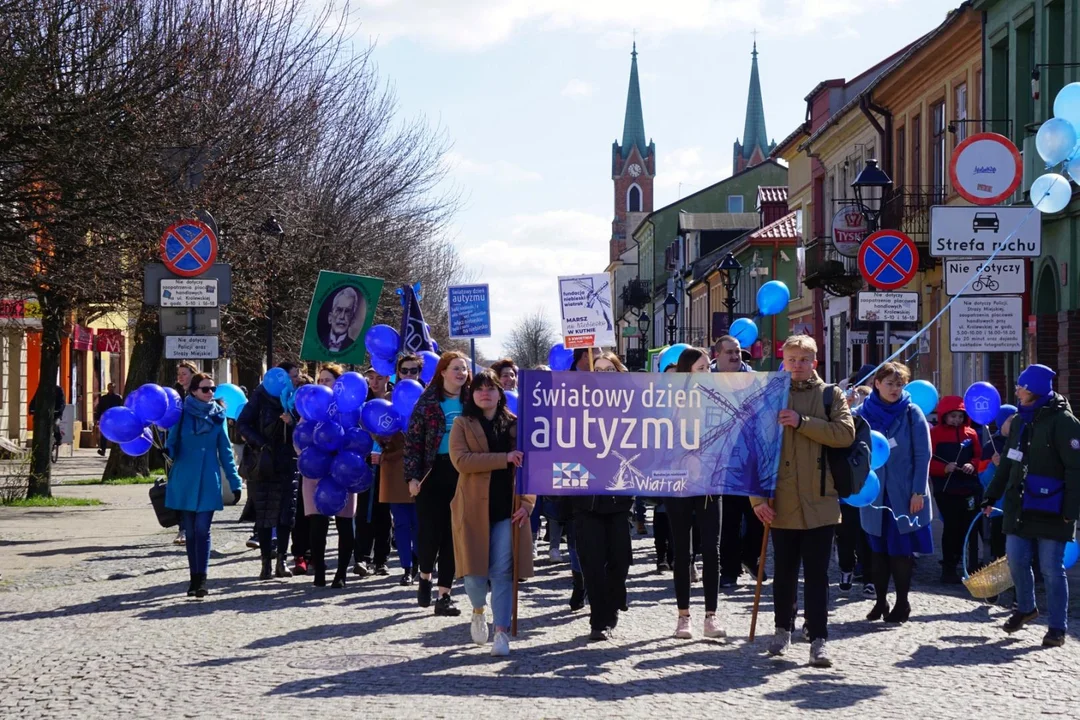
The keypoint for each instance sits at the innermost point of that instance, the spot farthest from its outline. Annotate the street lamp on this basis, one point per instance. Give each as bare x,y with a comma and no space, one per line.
731,268
643,322
869,178
671,307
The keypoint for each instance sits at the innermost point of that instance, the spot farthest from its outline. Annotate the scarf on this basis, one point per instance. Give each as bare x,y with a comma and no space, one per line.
1027,412
881,414
206,415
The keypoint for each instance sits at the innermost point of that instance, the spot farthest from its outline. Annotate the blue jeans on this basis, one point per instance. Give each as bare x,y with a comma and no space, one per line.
406,528
196,527
1020,552
500,573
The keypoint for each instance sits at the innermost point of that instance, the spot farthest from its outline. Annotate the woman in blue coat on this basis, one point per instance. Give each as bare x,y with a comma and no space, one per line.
902,528
200,449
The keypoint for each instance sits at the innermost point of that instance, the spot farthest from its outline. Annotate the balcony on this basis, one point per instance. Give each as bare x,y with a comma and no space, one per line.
827,269
637,294
908,210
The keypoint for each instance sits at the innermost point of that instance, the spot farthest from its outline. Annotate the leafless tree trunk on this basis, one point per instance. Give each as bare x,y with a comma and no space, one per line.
531,339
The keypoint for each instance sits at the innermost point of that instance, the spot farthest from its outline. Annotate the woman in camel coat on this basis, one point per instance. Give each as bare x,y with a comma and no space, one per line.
483,512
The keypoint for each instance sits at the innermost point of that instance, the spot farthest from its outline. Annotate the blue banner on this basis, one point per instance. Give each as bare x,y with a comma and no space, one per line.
650,434
469,312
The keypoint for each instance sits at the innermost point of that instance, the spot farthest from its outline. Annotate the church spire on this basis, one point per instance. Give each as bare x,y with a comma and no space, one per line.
755,145
634,122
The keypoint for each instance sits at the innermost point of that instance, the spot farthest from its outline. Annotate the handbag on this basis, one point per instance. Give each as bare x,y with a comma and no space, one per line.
166,516
1043,494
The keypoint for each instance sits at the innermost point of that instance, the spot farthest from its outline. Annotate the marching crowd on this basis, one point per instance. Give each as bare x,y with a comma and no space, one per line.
444,498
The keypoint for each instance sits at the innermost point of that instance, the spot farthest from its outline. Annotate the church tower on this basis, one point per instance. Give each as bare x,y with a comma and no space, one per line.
633,166
755,146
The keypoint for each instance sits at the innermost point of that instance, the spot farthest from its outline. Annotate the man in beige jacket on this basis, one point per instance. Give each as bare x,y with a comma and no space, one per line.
805,508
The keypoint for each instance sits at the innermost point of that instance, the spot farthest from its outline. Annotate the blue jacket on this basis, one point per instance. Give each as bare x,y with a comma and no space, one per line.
906,473
200,449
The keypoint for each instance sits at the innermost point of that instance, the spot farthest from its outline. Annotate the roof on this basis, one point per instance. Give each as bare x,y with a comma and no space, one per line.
633,134
772,194
785,228
754,135
718,221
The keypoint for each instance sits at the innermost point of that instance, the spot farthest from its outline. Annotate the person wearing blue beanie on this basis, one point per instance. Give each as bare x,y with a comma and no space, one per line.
1037,380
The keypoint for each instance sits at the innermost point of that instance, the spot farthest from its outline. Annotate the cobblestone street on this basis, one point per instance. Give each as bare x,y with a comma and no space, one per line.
134,646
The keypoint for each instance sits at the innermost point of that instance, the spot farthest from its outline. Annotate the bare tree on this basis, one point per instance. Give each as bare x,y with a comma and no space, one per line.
531,339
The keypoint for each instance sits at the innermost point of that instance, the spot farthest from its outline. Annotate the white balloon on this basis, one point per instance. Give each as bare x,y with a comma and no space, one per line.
1050,193
1055,140
1073,168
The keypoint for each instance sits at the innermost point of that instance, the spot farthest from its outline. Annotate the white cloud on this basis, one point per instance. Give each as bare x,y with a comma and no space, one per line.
577,88
522,256
500,170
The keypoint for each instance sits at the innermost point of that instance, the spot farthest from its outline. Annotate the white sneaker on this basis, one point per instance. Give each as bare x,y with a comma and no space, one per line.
479,628
780,643
682,628
555,555
819,654
713,628
501,646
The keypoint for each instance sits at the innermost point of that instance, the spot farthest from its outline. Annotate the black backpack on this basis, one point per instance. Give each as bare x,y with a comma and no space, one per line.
849,466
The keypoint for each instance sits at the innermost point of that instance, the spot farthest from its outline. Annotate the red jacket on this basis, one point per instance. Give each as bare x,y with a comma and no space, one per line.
958,445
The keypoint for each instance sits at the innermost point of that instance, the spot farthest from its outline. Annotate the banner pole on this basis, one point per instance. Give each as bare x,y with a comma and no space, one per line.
514,566
592,367
760,576
472,349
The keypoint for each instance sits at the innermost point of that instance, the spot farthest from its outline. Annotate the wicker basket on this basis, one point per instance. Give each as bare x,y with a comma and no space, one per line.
991,580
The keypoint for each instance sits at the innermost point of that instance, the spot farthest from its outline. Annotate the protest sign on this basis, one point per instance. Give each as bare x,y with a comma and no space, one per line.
342,310
585,301
651,434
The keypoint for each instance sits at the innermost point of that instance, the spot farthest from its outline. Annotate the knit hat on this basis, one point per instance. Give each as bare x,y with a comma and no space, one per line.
1006,412
863,375
1037,379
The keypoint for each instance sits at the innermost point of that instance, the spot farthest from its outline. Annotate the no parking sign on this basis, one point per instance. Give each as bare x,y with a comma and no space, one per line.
888,259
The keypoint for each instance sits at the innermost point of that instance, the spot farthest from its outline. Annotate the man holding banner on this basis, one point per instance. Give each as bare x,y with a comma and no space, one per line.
805,508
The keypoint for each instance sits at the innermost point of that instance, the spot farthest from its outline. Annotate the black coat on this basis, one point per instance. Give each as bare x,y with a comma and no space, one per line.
273,490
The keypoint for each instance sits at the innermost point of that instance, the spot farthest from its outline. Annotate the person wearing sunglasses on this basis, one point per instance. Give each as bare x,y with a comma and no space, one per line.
409,367
200,449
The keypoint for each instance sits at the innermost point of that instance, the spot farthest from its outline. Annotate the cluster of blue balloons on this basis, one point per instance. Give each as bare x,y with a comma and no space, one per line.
129,425
1058,141
382,343
772,299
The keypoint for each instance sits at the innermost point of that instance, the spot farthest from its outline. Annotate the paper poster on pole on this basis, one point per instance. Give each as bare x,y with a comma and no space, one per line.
585,302
342,311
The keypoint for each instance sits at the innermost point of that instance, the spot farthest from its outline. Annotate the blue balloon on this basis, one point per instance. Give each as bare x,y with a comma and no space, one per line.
671,355
350,391
380,418
314,463
560,358
358,440
350,419
745,331
1067,104
149,403
328,436
512,401
879,450
140,445
1072,554
288,398
867,495
383,366
405,395
1055,140
176,409
302,436
275,381
313,402
435,346
773,298
120,425
427,371
351,471
330,497
1050,193
382,341
982,402
233,397
1073,166
924,395
1006,412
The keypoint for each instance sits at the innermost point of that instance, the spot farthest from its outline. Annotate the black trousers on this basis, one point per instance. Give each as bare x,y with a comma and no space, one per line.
373,528
603,547
435,538
852,547
957,512
665,550
301,535
739,547
684,515
319,527
810,549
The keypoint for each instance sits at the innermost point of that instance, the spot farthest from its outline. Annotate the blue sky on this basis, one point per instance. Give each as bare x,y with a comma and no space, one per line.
532,94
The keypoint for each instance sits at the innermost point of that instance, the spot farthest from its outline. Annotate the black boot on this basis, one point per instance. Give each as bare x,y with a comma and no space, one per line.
339,579
200,586
267,572
577,597
282,570
320,573
191,586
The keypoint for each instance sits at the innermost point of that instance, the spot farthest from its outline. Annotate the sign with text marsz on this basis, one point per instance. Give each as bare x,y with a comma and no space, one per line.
986,168
469,311
585,301
981,232
997,277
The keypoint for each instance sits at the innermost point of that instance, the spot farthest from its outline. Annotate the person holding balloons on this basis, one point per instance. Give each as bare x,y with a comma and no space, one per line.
432,477
897,521
955,480
200,450
1039,478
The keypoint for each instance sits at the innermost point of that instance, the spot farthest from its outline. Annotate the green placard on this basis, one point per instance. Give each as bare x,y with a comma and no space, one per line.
342,310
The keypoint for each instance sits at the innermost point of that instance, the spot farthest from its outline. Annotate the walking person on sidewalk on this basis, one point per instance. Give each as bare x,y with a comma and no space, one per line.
1039,477
108,401
388,459
955,480
184,372
432,477
200,450
482,449
806,507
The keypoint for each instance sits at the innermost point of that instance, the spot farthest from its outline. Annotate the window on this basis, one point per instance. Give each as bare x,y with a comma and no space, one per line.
734,203
960,112
916,153
1054,77
977,111
1025,63
633,199
900,171
827,206
999,86
937,150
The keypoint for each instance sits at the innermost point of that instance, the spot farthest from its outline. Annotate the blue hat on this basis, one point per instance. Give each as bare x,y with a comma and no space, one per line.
1006,412
1037,379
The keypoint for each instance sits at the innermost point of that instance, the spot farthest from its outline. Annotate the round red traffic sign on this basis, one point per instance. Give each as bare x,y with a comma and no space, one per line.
986,168
188,247
888,259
